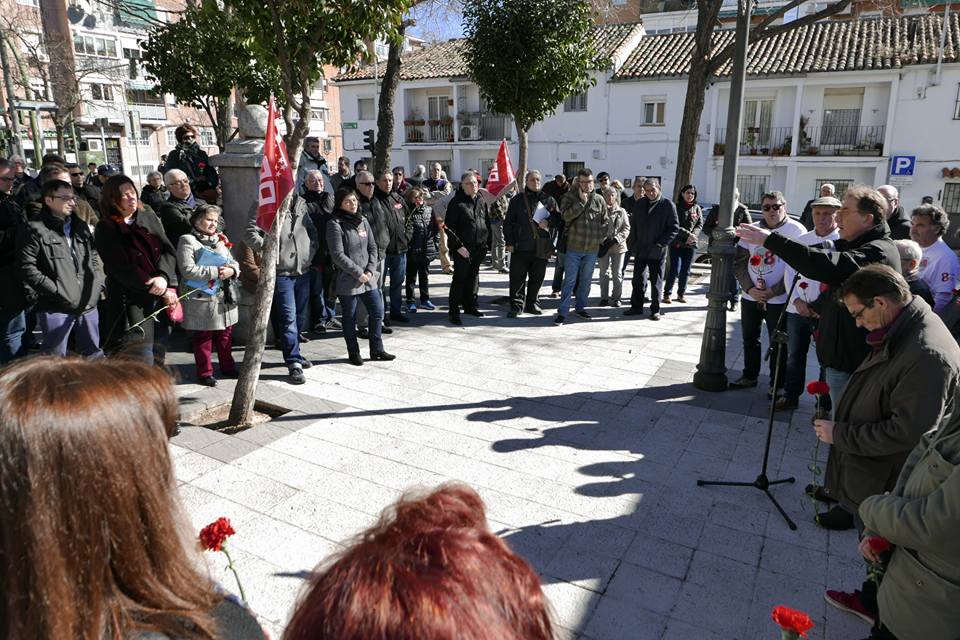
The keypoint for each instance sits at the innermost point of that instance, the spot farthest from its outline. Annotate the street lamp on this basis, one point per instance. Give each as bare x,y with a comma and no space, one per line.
711,372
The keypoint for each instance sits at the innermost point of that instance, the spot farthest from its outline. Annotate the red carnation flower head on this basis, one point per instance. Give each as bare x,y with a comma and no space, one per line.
792,620
214,535
755,261
878,544
804,285
823,287
818,388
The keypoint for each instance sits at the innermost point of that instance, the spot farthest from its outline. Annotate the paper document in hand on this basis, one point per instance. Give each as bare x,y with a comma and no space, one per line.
540,213
207,258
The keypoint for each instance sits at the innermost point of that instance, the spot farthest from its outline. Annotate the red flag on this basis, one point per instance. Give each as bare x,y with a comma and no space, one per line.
501,174
276,176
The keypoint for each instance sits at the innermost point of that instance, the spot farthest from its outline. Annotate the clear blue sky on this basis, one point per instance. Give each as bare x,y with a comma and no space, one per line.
437,20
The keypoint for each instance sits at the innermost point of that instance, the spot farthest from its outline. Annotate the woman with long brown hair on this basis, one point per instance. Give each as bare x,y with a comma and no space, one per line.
141,268
92,538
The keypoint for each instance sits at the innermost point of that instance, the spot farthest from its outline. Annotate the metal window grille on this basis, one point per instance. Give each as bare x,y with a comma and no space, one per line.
576,102
841,185
951,197
840,126
751,189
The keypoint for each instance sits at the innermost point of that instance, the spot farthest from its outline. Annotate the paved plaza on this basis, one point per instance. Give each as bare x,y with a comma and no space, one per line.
584,440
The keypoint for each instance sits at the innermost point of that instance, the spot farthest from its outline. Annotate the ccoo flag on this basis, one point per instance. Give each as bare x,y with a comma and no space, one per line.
276,176
501,174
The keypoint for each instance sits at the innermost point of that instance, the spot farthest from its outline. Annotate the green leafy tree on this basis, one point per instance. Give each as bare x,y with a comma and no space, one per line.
527,56
201,57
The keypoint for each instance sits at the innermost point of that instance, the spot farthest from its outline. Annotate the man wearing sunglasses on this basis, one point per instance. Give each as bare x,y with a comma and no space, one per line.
760,274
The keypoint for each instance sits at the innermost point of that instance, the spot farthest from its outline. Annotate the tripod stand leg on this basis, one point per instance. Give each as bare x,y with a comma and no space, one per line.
790,523
715,483
783,481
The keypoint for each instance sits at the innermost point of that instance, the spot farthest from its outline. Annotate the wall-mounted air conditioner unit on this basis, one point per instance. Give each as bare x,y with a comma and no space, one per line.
469,132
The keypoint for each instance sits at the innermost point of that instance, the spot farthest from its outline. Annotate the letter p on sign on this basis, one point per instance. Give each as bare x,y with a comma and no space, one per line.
902,165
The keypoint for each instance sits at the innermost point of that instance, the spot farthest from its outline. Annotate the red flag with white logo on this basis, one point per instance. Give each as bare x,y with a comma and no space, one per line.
276,175
501,174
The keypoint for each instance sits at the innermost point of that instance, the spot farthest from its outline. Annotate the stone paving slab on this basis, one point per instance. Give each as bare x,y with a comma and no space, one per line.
584,440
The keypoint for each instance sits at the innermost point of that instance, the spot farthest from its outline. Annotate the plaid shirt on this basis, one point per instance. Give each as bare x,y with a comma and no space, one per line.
585,224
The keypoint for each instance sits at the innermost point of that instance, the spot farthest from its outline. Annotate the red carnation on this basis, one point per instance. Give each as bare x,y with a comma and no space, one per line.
878,544
210,284
755,261
792,621
823,287
201,165
214,535
804,285
818,387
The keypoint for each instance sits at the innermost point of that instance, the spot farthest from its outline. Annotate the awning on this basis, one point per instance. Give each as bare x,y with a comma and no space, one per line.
138,12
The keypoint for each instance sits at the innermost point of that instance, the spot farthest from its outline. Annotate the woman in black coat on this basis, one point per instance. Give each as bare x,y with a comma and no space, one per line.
683,246
424,247
141,268
194,161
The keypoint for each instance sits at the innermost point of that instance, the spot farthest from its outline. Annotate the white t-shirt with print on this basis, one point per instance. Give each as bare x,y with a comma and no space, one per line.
807,289
770,267
938,268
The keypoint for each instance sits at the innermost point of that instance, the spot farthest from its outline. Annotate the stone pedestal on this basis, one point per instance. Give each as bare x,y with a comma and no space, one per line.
239,167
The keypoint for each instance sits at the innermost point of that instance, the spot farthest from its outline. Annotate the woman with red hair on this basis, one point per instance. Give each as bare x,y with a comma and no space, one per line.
431,569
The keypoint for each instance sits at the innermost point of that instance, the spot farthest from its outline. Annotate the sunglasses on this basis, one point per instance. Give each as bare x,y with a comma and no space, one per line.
772,207
189,137
366,184
74,175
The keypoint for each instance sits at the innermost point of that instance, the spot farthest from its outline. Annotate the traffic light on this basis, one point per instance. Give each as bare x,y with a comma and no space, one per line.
369,142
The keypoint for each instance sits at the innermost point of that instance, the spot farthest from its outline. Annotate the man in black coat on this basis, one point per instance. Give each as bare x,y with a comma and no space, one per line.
58,263
468,237
311,200
653,226
897,218
520,232
12,299
391,211
174,212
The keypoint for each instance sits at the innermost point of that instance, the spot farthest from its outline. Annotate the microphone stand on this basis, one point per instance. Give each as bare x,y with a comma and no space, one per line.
762,482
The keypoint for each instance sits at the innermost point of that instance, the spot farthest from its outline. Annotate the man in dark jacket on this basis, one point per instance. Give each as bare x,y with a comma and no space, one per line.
316,203
653,226
366,186
57,261
557,188
897,218
528,216
903,389
154,192
910,256
12,299
174,212
390,211
468,236
84,201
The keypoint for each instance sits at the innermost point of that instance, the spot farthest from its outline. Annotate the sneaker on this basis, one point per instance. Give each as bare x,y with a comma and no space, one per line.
584,315
296,375
304,338
837,519
534,311
681,299
474,312
559,320
666,299
743,382
455,319
383,355
784,403
319,329
411,307
655,315
429,306
306,364
604,302
616,304
333,323
633,311
851,603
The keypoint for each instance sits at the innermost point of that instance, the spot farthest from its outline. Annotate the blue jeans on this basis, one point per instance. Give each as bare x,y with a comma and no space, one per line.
373,302
12,327
322,306
680,260
397,268
837,380
57,327
576,264
799,331
291,305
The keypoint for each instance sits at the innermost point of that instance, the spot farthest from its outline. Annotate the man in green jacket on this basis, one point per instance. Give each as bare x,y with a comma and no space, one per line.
585,225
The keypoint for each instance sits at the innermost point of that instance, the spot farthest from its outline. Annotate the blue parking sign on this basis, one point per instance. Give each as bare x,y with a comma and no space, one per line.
902,165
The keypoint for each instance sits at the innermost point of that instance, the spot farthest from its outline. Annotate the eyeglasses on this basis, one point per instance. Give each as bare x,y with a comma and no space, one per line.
366,184
856,316
179,182
772,207
64,198
189,137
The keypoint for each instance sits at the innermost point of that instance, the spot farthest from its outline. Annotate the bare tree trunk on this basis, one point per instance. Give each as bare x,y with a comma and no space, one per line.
388,92
245,393
522,156
61,139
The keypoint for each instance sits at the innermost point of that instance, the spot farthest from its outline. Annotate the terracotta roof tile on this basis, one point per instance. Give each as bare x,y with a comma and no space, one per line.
848,45
446,59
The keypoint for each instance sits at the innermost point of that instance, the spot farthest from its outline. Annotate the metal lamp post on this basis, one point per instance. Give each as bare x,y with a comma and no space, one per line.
711,372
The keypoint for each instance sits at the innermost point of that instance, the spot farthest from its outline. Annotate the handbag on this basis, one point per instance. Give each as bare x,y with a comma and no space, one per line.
545,249
605,246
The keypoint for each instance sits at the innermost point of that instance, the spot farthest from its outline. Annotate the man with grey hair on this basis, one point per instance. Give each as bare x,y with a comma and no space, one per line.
526,232
827,190
312,159
467,222
897,218
654,224
153,193
418,176
910,256
174,212
939,265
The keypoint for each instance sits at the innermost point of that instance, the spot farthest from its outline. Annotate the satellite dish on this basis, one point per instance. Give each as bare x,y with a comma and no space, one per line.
75,13
90,22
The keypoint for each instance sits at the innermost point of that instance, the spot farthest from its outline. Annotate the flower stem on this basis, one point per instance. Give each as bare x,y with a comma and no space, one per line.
161,309
243,596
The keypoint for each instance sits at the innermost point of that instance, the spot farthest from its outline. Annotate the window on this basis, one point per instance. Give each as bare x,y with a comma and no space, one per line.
171,137
757,118
951,197
207,139
840,184
570,168
327,145
141,96
840,126
101,92
29,3
143,140
486,164
576,102
653,113
95,46
751,189
131,54
365,109
956,107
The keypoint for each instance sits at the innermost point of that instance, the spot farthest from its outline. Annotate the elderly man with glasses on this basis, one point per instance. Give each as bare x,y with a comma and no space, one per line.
174,212
760,273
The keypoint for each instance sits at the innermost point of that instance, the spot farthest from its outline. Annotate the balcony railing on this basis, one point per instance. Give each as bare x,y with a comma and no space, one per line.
150,111
483,126
428,131
763,141
842,140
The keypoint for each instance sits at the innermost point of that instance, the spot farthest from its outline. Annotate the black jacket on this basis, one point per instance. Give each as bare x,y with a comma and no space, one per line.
122,251
740,215
899,223
63,278
841,344
424,241
469,220
194,162
12,218
153,197
318,206
920,288
175,216
691,222
518,226
381,233
652,228
391,211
